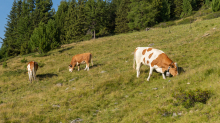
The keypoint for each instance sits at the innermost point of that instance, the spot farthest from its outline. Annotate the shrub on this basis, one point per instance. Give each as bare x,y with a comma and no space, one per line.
4,65
23,60
186,21
190,97
15,73
212,15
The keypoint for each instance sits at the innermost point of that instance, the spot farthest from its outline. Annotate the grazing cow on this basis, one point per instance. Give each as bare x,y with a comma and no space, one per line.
156,59
81,59
32,69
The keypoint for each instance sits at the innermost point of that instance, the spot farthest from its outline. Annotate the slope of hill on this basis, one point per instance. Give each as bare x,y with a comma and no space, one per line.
110,91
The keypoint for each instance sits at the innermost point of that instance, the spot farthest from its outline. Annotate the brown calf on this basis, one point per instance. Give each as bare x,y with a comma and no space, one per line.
80,59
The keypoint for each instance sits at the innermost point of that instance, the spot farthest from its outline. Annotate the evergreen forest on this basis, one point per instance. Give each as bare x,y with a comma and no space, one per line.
34,26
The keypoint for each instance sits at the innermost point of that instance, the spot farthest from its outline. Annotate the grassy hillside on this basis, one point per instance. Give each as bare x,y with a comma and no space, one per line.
110,91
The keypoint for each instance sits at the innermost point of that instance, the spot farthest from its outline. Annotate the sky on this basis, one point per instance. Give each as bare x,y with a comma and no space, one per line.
5,8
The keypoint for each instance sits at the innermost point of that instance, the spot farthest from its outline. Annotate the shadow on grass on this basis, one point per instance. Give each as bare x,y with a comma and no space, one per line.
94,65
180,70
44,76
65,49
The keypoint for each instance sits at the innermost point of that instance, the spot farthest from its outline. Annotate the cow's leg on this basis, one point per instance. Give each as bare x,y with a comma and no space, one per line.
30,76
138,65
87,66
34,74
78,67
150,73
163,76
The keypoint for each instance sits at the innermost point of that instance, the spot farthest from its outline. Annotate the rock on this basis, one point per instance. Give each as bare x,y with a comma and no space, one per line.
150,45
174,114
59,84
188,83
147,29
56,106
154,88
180,114
73,79
76,120
103,71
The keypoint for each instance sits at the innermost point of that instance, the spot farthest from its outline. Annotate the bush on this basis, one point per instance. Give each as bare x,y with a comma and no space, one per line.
15,73
186,21
4,65
212,15
166,24
23,60
189,98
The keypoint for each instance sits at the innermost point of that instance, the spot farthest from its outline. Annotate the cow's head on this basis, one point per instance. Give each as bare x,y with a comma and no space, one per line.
71,68
173,69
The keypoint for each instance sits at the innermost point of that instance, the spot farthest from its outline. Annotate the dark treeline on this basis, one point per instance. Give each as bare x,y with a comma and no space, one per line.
34,26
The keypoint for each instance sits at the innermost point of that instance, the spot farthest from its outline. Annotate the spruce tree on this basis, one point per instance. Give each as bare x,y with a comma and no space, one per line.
9,42
60,19
121,20
187,8
141,15
178,8
70,19
215,5
45,37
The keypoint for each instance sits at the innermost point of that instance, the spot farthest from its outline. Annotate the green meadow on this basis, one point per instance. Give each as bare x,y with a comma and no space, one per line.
110,90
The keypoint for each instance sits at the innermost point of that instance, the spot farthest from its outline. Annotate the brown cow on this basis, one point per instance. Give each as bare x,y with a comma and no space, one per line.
32,69
80,59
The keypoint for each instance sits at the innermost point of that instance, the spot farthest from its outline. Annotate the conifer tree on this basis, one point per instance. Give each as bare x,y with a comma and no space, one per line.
60,19
215,5
121,20
187,8
141,15
178,8
70,19
9,42
45,37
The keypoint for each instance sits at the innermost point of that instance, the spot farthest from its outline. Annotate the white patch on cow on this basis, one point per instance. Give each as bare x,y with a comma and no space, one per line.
70,70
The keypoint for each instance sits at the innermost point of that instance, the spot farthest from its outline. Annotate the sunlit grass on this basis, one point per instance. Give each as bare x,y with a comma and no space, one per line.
110,91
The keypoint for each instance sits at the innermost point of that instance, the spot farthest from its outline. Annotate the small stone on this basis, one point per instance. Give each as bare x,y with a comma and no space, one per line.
174,114
179,113
150,45
76,120
59,84
103,71
74,88
188,83
154,88
66,88
56,106
73,79
126,96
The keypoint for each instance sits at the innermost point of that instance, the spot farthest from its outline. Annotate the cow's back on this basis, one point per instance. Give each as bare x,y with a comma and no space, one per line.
146,55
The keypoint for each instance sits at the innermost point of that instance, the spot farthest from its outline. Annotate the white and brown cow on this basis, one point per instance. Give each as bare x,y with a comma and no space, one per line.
32,69
81,59
154,58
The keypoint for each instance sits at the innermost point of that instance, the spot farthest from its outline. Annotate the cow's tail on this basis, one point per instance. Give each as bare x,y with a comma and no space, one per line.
91,59
134,59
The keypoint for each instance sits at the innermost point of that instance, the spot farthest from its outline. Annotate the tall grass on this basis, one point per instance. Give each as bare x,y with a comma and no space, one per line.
116,95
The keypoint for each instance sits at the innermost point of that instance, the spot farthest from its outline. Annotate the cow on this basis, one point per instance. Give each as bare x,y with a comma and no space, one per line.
32,69
155,59
81,59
